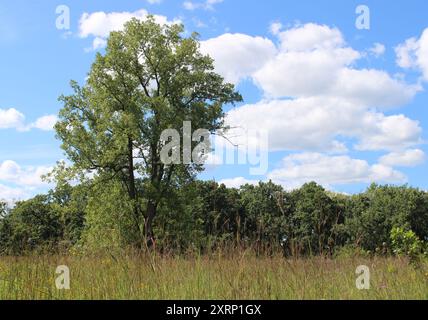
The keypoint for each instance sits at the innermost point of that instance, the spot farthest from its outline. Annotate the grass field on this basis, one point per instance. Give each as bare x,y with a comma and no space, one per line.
242,276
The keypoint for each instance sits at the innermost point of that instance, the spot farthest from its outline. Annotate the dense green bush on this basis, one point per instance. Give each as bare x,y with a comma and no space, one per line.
406,242
32,224
372,215
46,222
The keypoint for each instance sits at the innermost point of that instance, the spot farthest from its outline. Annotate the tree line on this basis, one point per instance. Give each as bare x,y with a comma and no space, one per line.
203,216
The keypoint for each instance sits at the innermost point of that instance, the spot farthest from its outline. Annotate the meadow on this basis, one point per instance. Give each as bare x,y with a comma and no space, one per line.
216,276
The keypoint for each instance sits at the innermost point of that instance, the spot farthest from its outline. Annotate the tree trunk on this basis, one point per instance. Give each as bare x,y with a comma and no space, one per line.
133,194
151,213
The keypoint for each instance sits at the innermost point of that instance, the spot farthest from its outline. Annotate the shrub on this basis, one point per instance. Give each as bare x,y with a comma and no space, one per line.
406,242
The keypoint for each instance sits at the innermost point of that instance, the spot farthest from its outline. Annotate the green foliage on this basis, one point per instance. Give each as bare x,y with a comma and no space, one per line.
265,213
3,209
71,202
222,213
180,222
108,218
46,222
31,224
406,242
314,219
373,214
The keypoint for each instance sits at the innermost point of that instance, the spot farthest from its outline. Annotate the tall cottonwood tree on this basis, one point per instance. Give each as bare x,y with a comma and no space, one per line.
150,78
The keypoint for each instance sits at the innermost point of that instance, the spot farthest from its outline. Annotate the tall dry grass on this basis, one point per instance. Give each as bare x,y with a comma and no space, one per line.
240,275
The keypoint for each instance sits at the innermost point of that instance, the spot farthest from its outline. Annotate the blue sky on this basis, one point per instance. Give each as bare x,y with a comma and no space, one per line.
342,106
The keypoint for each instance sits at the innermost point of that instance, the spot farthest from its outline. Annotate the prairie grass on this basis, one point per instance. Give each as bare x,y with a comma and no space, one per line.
217,276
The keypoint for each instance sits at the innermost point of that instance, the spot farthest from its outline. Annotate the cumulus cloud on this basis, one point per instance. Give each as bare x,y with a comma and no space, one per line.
406,53
319,123
11,172
310,37
319,103
45,123
302,74
13,119
413,53
100,24
310,60
373,88
20,183
238,56
380,132
315,96
407,158
331,170
315,60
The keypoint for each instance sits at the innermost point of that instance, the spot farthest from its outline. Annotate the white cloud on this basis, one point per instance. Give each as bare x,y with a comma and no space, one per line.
11,172
292,124
189,5
405,52
100,24
302,74
213,2
327,170
238,182
372,88
377,50
407,158
10,195
315,60
315,96
319,123
311,60
413,53
13,119
45,123
380,132
98,43
20,183
311,37
206,5
154,1
237,56
275,28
